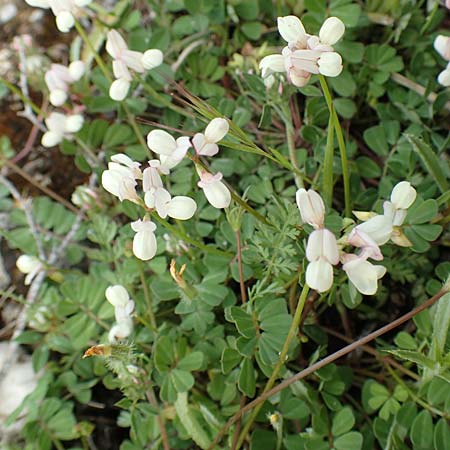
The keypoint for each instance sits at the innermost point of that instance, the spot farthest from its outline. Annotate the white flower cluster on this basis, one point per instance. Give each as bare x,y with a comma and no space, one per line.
61,126
323,250
64,10
59,77
118,296
305,54
122,176
125,59
442,46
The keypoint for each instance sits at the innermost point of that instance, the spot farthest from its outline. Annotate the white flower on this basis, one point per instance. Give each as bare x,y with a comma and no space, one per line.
217,194
311,206
292,31
171,151
322,252
179,207
120,178
60,127
125,59
379,228
442,46
403,195
206,144
330,64
29,265
362,240
63,10
117,295
331,31
444,77
59,77
363,274
144,242
121,330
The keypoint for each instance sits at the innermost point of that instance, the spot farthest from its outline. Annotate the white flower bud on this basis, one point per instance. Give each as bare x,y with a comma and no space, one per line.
58,97
444,78
442,46
152,58
28,263
161,142
51,138
217,194
65,21
311,206
119,89
291,29
144,242
76,69
331,31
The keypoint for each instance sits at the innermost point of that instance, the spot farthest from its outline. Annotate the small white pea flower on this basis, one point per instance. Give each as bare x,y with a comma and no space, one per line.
217,194
379,228
444,77
292,31
403,195
59,77
370,248
179,207
362,273
442,46
206,144
60,127
311,206
322,253
121,330
125,59
117,295
29,265
171,151
144,242
331,31
151,175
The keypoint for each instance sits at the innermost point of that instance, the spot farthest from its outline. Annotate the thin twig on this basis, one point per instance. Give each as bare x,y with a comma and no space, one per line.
324,362
185,53
241,271
152,399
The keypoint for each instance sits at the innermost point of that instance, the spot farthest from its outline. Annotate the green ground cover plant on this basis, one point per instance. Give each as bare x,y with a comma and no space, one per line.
253,253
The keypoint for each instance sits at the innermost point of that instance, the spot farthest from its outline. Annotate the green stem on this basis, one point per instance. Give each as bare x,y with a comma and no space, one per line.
95,54
327,177
341,144
189,240
280,363
22,97
148,299
292,153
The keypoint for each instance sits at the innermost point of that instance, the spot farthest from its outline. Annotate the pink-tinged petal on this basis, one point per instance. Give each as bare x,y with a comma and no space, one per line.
319,275
133,60
161,142
120,70
115,44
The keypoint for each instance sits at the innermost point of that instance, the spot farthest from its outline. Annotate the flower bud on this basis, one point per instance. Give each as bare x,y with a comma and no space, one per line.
331,31
76,70
291,29
312,209
73,123
152,58
217,194
51,138
27,264
64,21
119,89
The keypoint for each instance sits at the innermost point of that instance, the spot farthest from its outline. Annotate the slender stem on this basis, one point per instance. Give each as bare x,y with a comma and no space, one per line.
148,299
22,97
135,127
328,360
188,239
327,177
152,399
341,144
290,132
95,54
241,271
280,363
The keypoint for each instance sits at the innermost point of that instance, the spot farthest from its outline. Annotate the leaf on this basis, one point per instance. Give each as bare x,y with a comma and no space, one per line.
182,380
441,438
422,212
431,161
343,421
422,431
375,138
441,322
349,441
243,321
192,361
247,380
415,357
230,359
163,354
190,422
